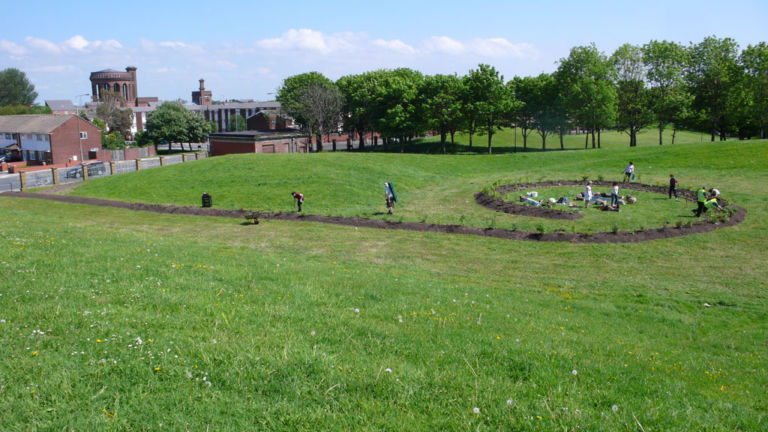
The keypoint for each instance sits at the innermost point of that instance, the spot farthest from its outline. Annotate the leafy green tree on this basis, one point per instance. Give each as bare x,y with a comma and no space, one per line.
669,101
114,118
754,60
587,90
523,114
395,106
634,112
320,106
358,92
490,98
293,100
236,123
113,140
713,75
24,109
441,103
15,88
171,122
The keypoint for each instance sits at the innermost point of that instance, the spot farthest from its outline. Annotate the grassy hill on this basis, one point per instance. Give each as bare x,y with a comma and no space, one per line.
120,320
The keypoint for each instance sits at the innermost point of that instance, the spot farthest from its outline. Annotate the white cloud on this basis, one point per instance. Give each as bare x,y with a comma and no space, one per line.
444,44
107,45
11,47
76,42
500,47
42,44
310,40
395,45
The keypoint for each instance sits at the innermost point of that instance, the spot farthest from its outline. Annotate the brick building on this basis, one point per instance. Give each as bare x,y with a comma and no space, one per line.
122,83
202,96
285,141
49,139
61,106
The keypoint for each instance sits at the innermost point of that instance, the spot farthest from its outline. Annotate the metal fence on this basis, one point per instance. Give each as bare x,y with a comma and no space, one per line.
46,177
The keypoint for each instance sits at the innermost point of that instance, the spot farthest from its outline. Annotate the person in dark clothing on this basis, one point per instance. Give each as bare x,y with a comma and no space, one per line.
299,198
672,186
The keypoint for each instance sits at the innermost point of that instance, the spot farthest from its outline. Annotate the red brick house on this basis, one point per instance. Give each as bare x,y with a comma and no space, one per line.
49,139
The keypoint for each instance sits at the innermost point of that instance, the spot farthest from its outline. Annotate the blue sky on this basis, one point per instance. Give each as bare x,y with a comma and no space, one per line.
244,49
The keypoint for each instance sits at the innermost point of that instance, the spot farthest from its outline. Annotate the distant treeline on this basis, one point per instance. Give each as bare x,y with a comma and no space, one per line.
710,86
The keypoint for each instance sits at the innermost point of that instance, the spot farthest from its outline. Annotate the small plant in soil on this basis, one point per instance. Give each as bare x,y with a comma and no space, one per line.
679,224
540,228
689,223
462,219
584,178
600,177
615,229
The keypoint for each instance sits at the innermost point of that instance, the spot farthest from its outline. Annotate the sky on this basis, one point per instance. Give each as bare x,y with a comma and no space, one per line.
244,49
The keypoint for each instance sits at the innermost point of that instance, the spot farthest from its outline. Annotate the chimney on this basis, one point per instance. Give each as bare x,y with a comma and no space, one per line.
202,84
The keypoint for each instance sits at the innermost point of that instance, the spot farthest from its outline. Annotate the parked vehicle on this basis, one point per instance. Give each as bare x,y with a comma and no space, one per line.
94,169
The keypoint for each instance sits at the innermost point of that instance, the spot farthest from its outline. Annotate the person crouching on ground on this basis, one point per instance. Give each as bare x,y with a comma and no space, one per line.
299,198
528,200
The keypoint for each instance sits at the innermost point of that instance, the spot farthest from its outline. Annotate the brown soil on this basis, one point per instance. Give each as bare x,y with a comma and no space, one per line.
601,237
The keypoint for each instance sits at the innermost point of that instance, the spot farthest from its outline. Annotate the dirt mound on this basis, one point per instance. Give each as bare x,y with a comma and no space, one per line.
601,237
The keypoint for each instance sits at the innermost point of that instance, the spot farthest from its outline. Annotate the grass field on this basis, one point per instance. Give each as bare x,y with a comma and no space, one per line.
119,320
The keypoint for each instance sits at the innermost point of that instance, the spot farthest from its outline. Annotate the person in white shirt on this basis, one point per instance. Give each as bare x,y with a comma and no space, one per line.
588,194
714,193
629,172
615,194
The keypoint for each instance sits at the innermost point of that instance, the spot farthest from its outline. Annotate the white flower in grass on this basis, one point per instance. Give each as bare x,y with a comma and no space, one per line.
509,401
312,333
615,408
357,310
388,370
575,372
476,410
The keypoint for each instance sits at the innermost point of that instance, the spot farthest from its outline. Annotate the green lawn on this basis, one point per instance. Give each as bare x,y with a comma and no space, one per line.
121,320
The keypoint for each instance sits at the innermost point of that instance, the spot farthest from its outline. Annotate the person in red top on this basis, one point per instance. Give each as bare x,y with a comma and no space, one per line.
299,198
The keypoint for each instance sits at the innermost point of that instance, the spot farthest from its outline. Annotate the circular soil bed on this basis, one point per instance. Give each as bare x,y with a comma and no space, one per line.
483,199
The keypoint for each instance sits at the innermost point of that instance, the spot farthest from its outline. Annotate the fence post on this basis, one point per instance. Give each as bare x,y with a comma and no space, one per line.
22,180
162,160
55,175
349,143
138,164
85,172
184,157
112,168
334,144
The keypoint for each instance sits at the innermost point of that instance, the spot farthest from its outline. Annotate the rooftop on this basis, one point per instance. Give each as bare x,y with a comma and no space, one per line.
32,123
60,105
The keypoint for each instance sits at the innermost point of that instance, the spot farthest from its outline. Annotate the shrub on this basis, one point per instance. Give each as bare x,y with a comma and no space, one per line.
540,228
679,224
615,229
600,177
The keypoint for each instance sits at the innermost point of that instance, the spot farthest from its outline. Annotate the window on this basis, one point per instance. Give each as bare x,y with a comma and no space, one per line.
83,135
125,91
47,138
39,137
8,136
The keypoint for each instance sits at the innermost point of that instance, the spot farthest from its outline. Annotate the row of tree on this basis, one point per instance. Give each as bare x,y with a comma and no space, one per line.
709,86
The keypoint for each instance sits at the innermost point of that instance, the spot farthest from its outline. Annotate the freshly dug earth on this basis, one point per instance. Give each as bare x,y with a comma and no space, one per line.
483,199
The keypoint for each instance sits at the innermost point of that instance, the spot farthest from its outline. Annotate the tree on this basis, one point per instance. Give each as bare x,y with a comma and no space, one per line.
754,60
669,101
394,107
358,93
15,88
171,122
113,140
24,109
291,96
490,99
236,123
713,77
441,104
523,114
114,118
633,102
588,93
320,107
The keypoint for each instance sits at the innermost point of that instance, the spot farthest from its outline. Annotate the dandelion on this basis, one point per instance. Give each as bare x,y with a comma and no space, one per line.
98,340
476,410
615,408
575,372
388,370
357,310
312,333
157,368
34,353
139,341
509,401
208,383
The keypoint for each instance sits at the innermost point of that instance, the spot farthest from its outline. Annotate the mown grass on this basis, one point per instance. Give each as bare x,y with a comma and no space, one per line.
303,326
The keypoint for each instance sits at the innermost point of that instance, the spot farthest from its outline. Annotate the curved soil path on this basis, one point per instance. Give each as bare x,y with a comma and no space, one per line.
601,237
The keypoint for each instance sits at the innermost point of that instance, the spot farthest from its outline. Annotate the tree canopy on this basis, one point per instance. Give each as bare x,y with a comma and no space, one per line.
15,88
171,122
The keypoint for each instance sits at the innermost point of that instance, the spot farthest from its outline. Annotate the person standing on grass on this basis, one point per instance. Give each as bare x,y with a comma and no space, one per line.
615,194
672,186
299,199
701,201
588,194
389,196
629,172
